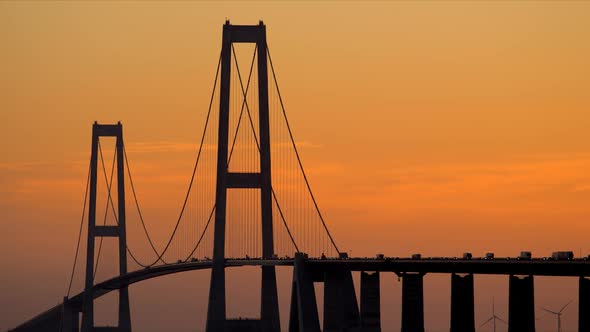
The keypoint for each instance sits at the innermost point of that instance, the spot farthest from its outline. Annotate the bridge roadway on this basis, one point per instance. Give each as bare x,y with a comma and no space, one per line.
498,266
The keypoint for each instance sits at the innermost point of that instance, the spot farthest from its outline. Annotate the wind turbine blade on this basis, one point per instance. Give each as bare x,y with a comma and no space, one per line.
493,306
500,319
487,321
565,306
551,312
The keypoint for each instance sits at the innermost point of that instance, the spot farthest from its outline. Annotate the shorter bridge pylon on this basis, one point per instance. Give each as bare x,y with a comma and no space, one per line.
117,231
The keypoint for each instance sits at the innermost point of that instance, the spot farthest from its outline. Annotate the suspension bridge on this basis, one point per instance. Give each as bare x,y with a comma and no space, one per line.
249,203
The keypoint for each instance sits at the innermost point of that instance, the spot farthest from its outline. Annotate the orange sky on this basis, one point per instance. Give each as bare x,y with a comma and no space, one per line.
432,127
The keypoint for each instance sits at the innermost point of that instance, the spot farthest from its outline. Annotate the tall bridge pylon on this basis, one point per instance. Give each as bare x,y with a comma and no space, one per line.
226,180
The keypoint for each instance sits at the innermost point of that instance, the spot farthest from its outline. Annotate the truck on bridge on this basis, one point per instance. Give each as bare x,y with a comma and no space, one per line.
562,255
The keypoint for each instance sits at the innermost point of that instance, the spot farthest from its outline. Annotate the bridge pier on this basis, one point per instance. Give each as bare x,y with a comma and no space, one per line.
370,302
412,302
341,310
584,305
243,325
269,310
304,313
462,307
521,304
70,317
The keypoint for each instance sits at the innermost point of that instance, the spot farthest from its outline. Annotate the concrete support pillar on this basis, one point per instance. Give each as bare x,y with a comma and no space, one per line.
304,313
243,325
341,310
370,302
521,304
124,310
584,305
294,310
462,308
269,311
412,303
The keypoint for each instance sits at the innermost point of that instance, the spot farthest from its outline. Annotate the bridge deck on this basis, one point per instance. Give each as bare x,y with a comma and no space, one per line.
499,266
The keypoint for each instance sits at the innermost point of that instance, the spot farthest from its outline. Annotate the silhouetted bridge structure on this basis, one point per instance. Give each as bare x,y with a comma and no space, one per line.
265,228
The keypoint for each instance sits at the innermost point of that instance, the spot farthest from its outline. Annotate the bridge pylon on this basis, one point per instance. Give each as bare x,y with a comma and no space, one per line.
269,312
118,231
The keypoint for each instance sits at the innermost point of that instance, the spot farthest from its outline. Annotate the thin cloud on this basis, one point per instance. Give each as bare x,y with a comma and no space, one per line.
169,146
164,146
499,181
300,145
581,188
27,165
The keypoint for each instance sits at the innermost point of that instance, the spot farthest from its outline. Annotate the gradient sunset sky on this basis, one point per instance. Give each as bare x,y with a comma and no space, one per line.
431,127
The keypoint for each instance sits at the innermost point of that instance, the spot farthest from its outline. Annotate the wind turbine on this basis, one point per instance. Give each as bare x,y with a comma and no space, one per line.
558,314
493,318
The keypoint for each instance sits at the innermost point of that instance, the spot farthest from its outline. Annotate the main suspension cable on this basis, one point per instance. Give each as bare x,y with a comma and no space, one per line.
106,211
147,234
202,234
244,102
159,258
79,232
230,153
258,146
297,153
110,199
